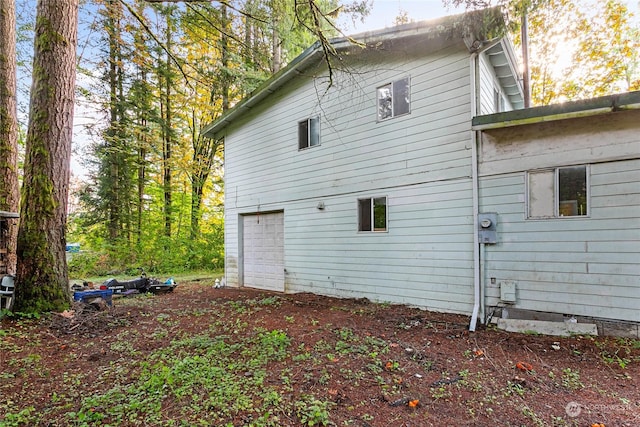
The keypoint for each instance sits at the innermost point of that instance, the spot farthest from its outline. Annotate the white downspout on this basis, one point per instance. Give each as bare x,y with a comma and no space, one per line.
474,183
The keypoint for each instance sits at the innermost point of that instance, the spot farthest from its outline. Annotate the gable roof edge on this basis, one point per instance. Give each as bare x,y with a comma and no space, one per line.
470,32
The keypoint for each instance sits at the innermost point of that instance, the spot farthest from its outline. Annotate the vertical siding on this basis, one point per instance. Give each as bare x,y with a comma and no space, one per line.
581,266
421,161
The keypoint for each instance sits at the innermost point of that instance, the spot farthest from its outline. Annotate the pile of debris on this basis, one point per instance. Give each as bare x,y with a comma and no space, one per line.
90,320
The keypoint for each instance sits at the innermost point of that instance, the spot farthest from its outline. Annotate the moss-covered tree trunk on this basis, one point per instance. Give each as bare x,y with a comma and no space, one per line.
41,279
8,124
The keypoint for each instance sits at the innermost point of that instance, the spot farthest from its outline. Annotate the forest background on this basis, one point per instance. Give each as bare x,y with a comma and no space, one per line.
148,186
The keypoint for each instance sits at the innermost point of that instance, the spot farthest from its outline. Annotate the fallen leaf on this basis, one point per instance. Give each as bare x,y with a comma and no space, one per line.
524,366
413,403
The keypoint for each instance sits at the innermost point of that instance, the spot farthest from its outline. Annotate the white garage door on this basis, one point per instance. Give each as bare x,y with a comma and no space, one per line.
263,249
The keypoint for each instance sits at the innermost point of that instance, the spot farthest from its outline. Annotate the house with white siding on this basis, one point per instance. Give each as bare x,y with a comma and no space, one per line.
367,177
564,181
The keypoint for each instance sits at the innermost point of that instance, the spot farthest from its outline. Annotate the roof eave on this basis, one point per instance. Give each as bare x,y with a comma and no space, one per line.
548,113
436,28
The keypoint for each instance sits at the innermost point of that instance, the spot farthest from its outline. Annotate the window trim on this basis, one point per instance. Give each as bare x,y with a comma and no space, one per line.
393,114
308,121
556,193
372,212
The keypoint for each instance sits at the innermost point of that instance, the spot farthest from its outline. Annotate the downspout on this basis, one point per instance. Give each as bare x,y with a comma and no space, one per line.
474,68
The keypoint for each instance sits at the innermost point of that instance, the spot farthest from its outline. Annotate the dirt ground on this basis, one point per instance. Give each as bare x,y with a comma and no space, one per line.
345,362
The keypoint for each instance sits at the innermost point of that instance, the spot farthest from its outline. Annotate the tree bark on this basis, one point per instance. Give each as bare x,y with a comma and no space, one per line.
168,139
9,187
41,277
115,204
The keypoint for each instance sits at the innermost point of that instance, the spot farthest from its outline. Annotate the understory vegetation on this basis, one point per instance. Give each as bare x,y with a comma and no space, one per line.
156,254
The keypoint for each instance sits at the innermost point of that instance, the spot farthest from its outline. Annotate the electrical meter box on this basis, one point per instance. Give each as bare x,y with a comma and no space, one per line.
487,227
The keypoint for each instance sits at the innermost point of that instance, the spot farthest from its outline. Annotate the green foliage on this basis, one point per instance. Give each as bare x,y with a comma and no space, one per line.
312,411
621,352
571,379
157,255
199,374
26,416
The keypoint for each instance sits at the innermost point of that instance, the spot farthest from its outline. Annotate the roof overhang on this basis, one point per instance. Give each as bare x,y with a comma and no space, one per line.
548,113
471,28
504,63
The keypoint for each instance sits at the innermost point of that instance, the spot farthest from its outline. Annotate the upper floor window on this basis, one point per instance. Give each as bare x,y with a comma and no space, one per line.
394,99
309,133
372,214
560,192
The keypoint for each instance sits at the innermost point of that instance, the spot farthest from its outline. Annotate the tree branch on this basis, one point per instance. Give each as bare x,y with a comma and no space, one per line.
153,36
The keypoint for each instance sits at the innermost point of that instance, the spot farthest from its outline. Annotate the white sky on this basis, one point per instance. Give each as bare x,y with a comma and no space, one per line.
384,12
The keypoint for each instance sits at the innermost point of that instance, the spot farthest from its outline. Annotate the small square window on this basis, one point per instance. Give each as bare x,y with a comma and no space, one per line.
394,99
372,214
309,133
560,192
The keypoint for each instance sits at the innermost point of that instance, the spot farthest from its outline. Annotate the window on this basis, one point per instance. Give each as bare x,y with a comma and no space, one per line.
393,99
309,133
561,192
372,214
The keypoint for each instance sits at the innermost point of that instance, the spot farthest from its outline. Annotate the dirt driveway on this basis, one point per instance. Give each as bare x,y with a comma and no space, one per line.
228,357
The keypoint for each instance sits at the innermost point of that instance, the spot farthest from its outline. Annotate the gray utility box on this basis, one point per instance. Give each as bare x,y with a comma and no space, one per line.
487,227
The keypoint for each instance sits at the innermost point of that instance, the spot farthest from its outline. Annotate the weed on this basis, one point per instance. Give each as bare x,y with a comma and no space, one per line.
346,334
274,301
239,306
571,379
514,388
27,416
312,412
441,392
304,354
324,378
160,333
558,421
530,413
623,353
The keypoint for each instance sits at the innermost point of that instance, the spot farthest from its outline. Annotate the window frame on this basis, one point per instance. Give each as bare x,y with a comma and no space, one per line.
372,221
556,193
391,85
308,121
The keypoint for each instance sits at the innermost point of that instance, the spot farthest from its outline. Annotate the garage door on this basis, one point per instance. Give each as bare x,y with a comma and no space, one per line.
263,250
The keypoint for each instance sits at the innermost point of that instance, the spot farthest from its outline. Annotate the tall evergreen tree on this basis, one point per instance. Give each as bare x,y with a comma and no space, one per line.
9,187
41,277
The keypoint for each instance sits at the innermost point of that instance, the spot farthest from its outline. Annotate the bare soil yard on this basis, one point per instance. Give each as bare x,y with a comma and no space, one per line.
240,357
